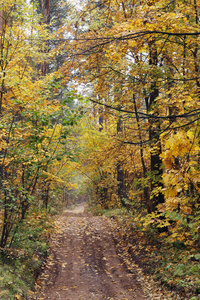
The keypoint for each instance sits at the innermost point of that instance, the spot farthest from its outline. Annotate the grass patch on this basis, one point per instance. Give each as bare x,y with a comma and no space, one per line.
110,212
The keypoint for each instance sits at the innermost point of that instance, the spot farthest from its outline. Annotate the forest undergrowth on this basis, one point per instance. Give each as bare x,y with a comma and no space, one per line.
172,265
24,260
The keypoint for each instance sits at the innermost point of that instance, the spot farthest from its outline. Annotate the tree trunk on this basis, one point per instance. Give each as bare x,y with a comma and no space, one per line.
120,171
144,169
154,130
45,6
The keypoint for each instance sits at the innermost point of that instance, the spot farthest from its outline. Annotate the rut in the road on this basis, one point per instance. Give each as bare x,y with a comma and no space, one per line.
84,264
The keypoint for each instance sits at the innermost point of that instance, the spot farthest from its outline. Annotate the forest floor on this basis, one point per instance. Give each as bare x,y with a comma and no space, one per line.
85,264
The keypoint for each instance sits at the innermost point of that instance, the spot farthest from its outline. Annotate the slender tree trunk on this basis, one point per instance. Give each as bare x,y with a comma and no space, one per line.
45,6
1,58
100,115
154,130
120,171
144,169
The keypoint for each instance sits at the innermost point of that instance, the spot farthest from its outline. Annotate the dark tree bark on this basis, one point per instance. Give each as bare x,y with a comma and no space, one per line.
120,171
154,130
45,10
144,169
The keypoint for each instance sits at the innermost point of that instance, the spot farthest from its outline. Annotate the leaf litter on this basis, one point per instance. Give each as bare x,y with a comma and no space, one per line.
86,263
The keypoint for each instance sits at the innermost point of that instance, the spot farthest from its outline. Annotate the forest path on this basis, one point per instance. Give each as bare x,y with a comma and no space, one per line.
84,264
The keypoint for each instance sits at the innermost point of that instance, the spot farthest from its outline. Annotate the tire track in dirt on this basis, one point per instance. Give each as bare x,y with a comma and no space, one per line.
84,264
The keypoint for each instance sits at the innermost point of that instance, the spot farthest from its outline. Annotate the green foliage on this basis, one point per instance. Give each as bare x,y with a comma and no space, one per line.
21,264
110,213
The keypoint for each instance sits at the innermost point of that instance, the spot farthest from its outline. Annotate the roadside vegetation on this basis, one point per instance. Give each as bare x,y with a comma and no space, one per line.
170,264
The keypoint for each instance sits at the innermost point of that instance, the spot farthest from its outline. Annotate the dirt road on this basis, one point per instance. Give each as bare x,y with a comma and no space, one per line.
84,264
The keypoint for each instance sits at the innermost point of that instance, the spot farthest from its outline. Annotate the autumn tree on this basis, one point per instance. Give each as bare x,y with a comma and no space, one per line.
141,59
33,125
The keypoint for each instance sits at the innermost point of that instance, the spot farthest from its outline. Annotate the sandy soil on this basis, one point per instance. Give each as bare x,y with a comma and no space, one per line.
84,263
